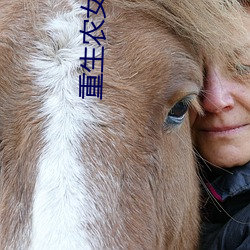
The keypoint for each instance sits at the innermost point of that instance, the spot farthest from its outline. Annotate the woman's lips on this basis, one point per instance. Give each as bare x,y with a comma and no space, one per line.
225,130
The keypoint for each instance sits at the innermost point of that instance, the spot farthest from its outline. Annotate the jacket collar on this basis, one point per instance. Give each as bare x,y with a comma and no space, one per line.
229,183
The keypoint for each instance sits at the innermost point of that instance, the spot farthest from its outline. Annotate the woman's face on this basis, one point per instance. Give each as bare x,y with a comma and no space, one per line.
222,136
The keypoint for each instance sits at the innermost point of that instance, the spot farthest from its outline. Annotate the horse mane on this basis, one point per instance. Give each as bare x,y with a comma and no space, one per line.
197,21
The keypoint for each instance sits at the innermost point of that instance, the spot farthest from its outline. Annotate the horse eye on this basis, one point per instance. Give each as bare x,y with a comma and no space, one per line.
178,112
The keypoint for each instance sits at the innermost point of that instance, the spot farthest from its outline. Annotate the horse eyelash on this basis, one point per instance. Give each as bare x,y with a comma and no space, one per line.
195,105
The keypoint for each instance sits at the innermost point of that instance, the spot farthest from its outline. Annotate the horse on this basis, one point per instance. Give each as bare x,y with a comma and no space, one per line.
114,169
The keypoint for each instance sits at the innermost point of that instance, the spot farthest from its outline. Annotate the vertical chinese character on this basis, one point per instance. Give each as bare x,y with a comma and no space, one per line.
92,83
94,11
93,59
88,33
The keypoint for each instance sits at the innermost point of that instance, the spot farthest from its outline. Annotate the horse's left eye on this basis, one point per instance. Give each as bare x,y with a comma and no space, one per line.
178,112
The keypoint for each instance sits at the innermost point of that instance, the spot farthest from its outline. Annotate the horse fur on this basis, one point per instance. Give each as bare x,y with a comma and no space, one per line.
103,174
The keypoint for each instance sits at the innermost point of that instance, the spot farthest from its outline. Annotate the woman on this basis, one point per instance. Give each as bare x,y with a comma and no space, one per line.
222,139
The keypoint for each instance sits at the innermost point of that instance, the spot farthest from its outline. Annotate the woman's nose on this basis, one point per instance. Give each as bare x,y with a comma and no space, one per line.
217,93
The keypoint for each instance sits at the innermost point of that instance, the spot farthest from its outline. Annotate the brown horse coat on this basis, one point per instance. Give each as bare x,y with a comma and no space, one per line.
116,173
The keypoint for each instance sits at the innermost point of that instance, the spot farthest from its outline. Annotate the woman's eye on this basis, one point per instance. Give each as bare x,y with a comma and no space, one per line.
177,113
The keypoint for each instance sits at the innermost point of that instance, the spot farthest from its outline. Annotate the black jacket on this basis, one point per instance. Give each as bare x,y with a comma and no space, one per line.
226,211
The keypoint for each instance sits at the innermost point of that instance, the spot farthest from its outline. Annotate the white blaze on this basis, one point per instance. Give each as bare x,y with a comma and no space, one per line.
61,203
